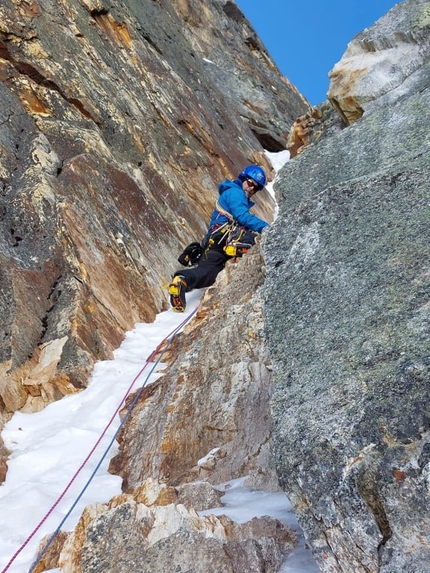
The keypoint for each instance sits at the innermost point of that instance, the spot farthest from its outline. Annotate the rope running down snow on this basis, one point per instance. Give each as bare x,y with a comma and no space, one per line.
169,339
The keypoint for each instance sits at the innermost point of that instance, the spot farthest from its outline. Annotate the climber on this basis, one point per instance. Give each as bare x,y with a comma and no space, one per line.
232,231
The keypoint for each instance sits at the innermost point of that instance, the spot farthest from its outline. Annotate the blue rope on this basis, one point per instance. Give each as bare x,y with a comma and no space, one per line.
127,415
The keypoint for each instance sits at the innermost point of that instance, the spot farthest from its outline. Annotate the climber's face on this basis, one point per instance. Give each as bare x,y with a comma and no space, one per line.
250,186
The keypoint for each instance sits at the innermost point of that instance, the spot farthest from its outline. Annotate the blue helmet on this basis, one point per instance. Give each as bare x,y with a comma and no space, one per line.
255,173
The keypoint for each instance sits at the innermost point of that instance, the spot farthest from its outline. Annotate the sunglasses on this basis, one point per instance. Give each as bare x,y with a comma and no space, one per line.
253,184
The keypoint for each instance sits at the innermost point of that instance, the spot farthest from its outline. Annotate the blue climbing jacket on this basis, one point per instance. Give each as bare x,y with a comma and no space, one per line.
233,199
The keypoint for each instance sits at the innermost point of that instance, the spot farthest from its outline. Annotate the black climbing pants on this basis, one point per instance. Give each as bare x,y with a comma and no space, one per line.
204,274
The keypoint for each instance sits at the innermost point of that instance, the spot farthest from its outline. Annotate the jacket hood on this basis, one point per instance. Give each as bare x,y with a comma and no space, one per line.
236,184
228,184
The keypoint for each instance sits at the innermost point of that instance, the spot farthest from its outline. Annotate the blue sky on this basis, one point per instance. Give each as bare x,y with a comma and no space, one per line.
306,38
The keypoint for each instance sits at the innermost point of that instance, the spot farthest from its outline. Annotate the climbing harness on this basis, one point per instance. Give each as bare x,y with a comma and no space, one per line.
236,238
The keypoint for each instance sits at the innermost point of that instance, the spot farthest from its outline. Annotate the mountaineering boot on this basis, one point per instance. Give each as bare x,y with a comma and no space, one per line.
177,293
237,249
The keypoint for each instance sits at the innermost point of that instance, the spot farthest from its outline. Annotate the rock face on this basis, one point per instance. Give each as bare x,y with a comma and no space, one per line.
128,528
117,121
384,62
317,375
318,122
349,330
205,422
223,393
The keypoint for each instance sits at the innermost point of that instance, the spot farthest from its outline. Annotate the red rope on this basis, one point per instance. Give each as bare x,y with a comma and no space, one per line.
78,471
